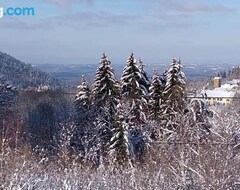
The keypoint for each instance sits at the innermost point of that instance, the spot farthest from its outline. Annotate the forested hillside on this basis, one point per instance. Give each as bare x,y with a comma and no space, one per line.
22,75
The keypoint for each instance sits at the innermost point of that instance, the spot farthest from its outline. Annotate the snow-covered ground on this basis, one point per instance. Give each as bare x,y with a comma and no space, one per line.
211,163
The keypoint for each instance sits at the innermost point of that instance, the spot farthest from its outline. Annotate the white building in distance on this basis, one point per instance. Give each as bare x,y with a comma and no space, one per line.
224,94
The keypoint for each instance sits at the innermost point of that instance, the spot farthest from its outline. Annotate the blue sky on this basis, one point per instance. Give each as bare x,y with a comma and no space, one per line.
78,31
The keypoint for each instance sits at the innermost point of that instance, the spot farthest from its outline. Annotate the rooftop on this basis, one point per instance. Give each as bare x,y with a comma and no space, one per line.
217,93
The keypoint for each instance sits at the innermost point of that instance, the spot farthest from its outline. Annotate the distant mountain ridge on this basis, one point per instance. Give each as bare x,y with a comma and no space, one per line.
23,76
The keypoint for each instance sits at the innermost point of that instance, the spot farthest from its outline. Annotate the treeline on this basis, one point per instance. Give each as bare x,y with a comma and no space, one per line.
233,73
114,113
114,120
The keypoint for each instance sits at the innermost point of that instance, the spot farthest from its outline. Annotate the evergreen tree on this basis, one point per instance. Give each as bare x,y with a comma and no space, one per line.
144,80
155,96
106,97
174,91
42,128
134,90
120,145
132,80
83,118
164,77
173,103
134,104
105,87
83,99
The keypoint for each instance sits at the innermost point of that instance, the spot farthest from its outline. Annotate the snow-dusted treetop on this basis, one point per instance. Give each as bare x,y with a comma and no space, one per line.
105,83
132,80
155,95
83,92
174,90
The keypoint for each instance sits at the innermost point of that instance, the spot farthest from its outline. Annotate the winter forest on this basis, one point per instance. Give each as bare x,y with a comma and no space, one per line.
136,132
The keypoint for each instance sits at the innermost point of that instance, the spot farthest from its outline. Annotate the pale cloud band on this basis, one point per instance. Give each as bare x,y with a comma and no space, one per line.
65,4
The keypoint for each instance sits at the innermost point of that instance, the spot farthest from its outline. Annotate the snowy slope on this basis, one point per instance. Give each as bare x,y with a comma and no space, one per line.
22,75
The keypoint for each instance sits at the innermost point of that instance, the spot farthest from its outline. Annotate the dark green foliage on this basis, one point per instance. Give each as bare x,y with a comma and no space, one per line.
155,96
44,113
133,83
174,91
144,79
82,103
119,144
83,117
105,98
105,87
134,89
83,97
41,126
125,145
133,106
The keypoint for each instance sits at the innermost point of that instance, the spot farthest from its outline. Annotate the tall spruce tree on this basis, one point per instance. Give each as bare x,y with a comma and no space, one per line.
120,146
106,97
83,98
126,144
132,80
174,92
155,96
105,87
83,115
145,80
134,90
133,106
173,97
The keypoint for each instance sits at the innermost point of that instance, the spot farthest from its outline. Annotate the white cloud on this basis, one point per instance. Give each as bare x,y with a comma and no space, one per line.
91,20
188,6
81,20
65,4
191,6
168,14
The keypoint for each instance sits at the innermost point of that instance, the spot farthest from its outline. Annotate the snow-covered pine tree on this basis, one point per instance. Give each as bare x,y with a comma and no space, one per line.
134,91
199,113
121,148
83,117
106,97
83,98
173,96
118,146
164,77
145,80
105,87
134,104
174,92
155,96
